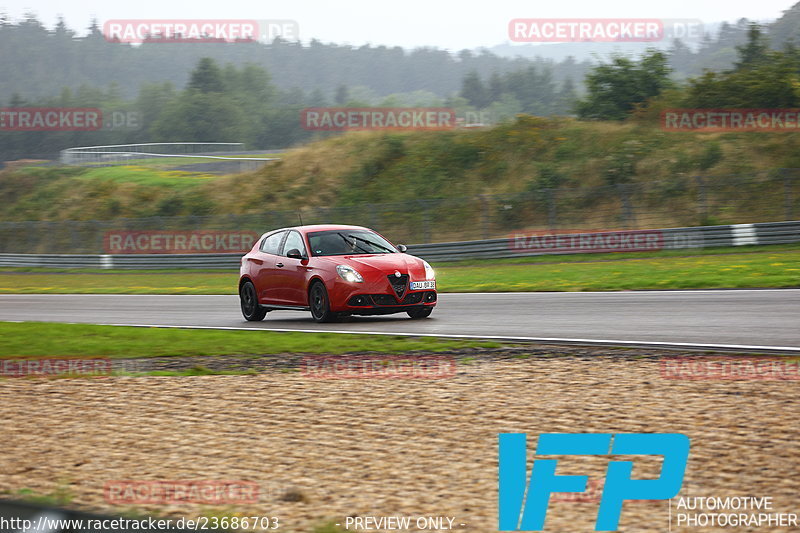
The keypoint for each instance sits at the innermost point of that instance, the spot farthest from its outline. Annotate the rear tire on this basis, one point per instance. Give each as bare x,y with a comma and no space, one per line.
249,302
422,312
319,303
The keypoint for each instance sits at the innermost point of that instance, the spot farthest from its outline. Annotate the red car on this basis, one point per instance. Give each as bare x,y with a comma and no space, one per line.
334,271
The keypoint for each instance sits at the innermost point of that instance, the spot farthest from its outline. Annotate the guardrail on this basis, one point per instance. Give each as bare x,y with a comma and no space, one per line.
519,245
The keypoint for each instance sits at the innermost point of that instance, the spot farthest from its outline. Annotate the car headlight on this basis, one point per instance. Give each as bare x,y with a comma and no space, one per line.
429,273
348,273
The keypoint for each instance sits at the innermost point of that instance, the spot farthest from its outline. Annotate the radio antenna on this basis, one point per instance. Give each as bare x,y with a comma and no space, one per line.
300,217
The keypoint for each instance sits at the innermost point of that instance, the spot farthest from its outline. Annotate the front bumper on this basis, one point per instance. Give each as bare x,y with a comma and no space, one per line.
367,298
391,300
385,304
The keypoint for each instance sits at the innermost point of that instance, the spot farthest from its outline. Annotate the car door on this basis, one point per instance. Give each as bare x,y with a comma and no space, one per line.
291,273
266,280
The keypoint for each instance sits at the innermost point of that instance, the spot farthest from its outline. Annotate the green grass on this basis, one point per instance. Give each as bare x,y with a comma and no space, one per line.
762,266
621,256
169,162
515,160
142,175
741,270
119,282
60,496
44,339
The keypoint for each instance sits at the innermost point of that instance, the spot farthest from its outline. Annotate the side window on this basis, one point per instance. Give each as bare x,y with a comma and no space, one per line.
294,240
272,244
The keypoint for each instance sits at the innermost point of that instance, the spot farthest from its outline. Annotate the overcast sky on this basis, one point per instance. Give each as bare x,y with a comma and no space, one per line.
448,24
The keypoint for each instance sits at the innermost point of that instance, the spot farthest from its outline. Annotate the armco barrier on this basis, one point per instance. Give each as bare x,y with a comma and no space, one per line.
669,239
138,261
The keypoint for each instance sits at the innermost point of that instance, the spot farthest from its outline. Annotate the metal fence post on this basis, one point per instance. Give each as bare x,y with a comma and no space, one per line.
98,231
788,201
426,221
702,200
627,208
373,215
73,234
551,208
484,217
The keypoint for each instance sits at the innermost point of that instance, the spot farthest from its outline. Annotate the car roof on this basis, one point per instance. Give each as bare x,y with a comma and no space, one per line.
320,227
314,227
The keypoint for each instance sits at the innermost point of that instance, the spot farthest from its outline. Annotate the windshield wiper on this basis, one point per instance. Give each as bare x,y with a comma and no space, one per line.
374,244
353,243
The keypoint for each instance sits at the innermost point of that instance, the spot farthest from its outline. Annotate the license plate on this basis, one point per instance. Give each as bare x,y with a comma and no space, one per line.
422,285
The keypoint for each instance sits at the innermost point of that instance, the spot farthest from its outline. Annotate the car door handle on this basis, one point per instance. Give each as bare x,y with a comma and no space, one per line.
279,265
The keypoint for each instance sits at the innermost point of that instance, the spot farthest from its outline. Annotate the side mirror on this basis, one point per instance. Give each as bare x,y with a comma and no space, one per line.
402,247
294,253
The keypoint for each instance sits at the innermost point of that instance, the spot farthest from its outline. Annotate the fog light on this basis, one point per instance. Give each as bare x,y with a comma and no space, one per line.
360,300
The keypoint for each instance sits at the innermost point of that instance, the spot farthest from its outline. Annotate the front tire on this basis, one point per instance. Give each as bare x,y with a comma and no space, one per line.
319,303
422,312
249,301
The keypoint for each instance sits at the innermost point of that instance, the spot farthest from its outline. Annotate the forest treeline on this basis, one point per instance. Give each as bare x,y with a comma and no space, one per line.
254,93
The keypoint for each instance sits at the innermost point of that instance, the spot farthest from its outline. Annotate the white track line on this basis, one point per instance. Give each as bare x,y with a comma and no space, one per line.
543,340
607,293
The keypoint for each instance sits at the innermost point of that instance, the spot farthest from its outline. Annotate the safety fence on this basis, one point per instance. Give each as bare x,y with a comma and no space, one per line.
681,201
214,158
518,244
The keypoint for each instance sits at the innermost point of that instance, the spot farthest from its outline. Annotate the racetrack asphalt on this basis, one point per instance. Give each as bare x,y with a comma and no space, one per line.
743,320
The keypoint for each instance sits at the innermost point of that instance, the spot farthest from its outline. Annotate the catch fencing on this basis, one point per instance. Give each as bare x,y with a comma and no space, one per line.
682,201
215,157
516,245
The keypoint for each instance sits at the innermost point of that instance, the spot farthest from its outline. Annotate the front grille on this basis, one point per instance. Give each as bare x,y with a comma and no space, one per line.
384,299
399,284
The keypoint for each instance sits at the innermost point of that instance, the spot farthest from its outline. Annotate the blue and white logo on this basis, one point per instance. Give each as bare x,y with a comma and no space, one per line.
519,511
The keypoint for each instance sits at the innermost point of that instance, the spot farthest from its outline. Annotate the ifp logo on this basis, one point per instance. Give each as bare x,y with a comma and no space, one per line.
521,511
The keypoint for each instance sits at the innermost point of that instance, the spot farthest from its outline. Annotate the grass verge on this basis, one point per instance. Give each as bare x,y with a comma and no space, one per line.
730,270
756,267
44,339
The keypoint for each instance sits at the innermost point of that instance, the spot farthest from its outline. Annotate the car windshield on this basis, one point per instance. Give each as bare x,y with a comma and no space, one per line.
348,242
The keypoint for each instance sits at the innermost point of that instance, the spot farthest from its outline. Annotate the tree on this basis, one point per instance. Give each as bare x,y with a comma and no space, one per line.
153,100
755,51
771,83
617,87
473,90
567,98
786,28
342,95
496,87
200,117
206,77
